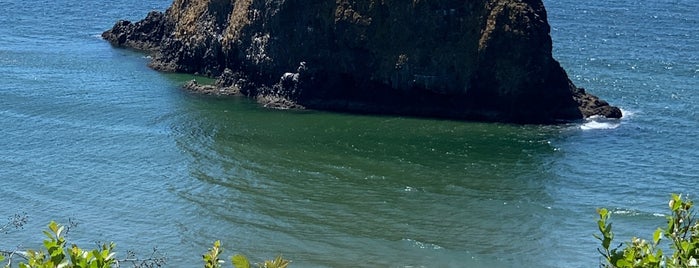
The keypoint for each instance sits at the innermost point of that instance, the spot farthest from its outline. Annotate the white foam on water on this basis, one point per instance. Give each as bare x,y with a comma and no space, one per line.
626,114
632,212
422,245
625,212
600,122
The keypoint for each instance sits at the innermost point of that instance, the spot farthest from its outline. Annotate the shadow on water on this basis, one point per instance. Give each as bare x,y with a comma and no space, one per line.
330,189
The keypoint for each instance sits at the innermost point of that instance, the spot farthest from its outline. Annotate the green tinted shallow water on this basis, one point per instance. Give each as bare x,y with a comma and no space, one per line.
88,132
332,189
399,186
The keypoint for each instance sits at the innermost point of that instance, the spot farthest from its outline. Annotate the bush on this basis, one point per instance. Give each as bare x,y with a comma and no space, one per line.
56,254
682,233
211,260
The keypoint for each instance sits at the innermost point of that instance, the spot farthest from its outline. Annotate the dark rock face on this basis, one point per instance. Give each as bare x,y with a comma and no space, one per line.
591,105
481,60
144,35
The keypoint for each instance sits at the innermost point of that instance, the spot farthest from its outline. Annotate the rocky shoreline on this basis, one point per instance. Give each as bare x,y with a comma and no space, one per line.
484,60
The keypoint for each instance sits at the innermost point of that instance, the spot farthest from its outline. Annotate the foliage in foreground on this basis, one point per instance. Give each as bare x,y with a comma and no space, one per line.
56,254
212,260
682,233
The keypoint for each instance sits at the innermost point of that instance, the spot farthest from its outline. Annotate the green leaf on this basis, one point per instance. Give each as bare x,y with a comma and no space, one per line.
675,202
606,242
657,235
685,245
240,261
597,237
670,224
59,232
622,263
53,226
674,196
600,224
48,235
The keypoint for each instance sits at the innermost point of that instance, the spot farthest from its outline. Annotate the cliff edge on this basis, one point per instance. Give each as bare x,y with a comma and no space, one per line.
476,60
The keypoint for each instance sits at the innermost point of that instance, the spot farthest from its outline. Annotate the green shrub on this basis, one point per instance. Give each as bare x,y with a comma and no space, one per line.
682,231
212,260
56,254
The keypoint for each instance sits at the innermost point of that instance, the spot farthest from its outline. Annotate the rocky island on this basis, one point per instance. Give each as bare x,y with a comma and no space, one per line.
474,60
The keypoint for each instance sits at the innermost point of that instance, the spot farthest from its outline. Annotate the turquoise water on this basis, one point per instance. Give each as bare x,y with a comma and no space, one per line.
89,133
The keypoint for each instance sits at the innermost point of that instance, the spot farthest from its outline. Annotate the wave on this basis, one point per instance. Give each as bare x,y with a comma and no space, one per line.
627,114
633,212
421,245
600,122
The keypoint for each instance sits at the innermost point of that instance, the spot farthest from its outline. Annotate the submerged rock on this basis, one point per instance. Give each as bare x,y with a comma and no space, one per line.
214,90
477,60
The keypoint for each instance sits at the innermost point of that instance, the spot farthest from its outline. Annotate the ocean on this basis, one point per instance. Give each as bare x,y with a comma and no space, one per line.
90,135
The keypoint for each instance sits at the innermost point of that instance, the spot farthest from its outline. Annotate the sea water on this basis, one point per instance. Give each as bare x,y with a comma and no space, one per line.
90,135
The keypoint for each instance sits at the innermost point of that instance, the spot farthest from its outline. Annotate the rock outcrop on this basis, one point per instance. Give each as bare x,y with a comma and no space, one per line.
478,60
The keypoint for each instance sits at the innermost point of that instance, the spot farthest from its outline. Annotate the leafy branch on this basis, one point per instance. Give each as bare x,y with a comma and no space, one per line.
682,230
57,254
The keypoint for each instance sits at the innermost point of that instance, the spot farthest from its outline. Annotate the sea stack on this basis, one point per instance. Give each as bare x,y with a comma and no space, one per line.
474,60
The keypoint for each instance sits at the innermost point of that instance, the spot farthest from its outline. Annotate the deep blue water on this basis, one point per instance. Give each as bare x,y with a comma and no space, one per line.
89,133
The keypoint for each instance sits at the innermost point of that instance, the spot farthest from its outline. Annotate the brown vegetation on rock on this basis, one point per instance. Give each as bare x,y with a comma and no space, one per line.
477,60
